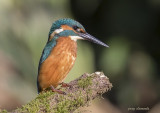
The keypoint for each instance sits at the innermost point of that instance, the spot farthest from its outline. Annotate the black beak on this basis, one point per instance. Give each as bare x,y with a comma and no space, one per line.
91,38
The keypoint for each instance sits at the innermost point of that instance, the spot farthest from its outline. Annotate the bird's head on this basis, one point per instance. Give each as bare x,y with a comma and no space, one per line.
72,29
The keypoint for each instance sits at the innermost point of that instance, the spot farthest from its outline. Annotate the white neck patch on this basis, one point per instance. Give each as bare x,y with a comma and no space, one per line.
56,32
75,38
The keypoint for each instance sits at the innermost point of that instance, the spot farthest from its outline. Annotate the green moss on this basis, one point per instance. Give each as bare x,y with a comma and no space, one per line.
80,101
89,91
85,82
45,94
3,111
66,105
35,105
63,107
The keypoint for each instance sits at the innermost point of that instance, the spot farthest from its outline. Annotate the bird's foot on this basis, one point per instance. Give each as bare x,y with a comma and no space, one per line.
58,91
65,85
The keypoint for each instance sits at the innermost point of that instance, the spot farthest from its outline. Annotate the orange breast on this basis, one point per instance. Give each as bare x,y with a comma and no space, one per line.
60,61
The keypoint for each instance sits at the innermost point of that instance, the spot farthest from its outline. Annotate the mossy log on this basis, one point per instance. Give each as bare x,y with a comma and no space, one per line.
85,88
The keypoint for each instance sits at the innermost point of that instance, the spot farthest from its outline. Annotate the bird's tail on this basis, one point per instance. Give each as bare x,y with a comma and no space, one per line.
38,86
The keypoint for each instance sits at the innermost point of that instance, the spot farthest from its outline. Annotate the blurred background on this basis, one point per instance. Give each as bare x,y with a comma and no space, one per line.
130,27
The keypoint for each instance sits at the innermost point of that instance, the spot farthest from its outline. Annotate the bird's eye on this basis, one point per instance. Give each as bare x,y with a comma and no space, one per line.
75,27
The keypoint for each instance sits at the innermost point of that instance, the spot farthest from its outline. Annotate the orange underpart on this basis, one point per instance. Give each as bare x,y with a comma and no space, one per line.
60,61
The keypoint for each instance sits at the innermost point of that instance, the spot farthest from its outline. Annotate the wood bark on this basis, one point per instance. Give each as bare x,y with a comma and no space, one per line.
84,89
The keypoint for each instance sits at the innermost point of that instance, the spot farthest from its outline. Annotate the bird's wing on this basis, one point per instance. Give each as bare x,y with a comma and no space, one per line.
46,52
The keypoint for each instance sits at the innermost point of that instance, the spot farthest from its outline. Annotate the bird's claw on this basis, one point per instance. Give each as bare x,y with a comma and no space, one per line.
66,85
58,91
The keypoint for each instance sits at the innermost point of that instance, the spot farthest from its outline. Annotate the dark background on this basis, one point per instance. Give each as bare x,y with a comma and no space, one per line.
130,27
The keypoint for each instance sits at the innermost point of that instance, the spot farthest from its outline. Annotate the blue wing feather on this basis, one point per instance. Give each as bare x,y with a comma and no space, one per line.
46,52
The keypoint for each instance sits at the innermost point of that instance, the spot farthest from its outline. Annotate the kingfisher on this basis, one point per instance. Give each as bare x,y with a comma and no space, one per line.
60,52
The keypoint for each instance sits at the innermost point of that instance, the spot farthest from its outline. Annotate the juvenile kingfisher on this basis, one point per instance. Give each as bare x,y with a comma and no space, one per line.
59,54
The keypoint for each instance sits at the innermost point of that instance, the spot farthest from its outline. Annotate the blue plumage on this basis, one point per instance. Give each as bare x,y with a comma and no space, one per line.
70,28
66,21
67,33
47,50
52,43
56,25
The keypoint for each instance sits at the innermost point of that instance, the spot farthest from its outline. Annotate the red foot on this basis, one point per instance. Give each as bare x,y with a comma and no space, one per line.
65,85
58,91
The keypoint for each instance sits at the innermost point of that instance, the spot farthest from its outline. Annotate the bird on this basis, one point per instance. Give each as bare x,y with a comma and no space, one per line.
60,52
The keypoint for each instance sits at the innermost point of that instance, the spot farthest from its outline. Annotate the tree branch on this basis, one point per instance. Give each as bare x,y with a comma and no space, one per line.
85,88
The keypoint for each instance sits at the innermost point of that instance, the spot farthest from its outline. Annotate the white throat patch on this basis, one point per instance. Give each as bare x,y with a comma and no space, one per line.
75,38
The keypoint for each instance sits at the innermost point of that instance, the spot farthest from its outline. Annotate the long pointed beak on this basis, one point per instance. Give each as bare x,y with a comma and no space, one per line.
91,38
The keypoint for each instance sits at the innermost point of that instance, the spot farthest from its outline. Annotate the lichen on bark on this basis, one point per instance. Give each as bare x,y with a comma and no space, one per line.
85,88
